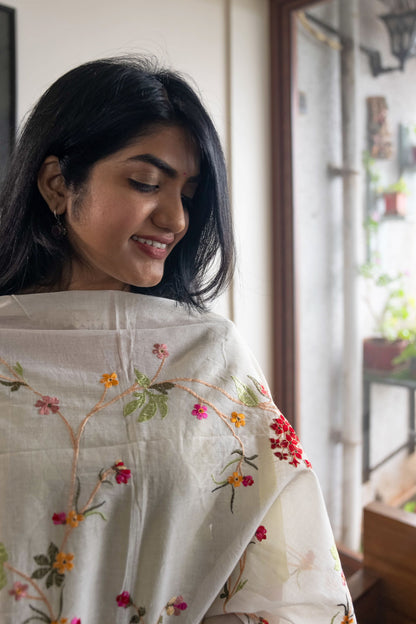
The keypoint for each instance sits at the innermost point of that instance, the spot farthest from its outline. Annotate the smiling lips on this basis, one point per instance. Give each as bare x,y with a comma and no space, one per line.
153,248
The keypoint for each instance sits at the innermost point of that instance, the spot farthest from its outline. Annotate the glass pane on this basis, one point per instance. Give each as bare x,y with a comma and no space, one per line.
355,222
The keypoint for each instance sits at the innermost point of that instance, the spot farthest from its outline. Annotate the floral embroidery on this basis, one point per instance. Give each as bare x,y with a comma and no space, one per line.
123,599
47,404
76,621
161,351
348,617
74,518
288,443
123,474
248,480
238,419
174,606
64,562
19,590
109,380
200,411
235,479
59,518
261,533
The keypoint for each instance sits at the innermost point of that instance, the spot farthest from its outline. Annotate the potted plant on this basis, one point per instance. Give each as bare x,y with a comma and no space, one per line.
395,198
394,323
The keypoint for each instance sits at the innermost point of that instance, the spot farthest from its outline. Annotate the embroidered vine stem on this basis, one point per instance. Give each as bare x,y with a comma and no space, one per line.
34,585
216,410
156,375
233,591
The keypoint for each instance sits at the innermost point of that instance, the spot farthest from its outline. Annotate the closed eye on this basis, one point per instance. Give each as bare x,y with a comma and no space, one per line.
142,186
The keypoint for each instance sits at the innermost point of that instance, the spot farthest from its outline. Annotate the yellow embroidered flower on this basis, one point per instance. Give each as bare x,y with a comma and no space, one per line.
74,518
109,380
235,479
63,562
238,419
170,610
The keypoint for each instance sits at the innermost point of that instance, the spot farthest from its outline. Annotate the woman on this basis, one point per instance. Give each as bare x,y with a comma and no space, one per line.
145,469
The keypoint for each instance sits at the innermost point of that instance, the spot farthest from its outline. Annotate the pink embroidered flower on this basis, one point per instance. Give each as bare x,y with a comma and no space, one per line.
248,480
160,351
76,621
123,599
200,411
123,474
47,404
19,590
264,391
261,533
176,605
59,518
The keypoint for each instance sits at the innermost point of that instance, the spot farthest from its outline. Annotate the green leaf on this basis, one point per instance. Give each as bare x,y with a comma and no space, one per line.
13,385
241,585
163,387
40,573
59,579
41,560
134,619
45,617
245,393
148,411
162,403
259,387
18,368
133,405
94,507
49,579
53,550
95,513
77,494
3,558
141,379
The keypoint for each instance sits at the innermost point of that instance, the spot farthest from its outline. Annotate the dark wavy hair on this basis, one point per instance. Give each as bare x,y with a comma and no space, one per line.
89,113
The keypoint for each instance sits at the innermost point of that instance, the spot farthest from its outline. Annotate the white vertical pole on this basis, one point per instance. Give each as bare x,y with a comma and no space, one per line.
352,373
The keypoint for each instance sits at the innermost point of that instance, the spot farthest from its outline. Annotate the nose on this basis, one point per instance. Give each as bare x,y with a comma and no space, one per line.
170,214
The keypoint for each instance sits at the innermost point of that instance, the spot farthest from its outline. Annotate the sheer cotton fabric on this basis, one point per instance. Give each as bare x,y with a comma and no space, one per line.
145,473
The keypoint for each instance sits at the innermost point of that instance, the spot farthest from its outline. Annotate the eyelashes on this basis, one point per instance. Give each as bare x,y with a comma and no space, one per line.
142,187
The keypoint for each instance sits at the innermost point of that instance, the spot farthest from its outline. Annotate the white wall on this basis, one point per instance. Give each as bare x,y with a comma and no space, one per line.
223,46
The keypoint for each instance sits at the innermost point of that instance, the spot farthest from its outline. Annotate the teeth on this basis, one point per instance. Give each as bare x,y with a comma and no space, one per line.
147,241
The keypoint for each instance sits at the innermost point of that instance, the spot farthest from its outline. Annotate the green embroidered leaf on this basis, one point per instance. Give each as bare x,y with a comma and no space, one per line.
13,385
41,560
245,393
18,368
225,592
59,579
95,513
259,387
77,493
53,550
3,558
163,387
142,379
94,507
45,617
40,573
162,403
133,405
148,411
49,579
134,619
37,618
61,602
241,585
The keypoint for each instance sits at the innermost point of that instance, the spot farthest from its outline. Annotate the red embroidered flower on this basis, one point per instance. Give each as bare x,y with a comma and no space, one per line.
123,599
263,621
59,518
200,411
123,474
47,404
264,392
248,480
160,351
176,605
19,590
287,442
261,533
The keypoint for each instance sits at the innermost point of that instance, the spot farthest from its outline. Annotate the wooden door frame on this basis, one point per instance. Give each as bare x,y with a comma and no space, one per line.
285,360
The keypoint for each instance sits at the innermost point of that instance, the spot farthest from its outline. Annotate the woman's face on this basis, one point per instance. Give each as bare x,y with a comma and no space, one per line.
132,212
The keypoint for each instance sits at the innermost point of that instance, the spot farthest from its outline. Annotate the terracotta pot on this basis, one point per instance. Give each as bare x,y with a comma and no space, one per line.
378,353
395,204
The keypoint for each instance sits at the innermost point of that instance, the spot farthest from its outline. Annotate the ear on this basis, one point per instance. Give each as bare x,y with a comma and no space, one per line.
52,186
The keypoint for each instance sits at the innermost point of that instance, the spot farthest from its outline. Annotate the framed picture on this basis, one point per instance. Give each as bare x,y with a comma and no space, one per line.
7,84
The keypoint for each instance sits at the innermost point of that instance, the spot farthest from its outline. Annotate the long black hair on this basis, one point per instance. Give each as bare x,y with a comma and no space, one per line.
89,113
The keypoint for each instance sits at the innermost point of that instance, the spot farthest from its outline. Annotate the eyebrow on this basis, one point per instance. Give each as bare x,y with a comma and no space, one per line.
162,165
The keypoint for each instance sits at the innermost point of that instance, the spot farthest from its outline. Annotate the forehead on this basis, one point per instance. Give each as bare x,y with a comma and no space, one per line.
172,144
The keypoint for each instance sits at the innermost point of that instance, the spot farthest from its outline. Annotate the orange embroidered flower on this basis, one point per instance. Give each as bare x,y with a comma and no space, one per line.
61,621
238,419
235,479
109,380
63,562
74,518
